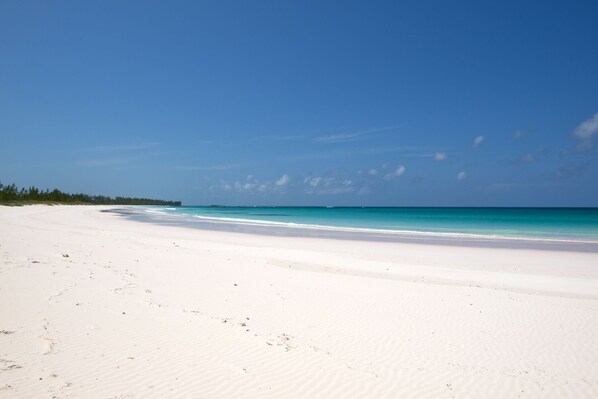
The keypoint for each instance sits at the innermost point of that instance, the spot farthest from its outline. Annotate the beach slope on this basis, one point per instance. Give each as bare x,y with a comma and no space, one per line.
93,305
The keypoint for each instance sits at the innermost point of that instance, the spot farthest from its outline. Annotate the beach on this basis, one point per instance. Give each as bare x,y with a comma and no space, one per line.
95,305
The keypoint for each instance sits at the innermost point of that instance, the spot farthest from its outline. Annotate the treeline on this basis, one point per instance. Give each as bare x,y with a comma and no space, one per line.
12,194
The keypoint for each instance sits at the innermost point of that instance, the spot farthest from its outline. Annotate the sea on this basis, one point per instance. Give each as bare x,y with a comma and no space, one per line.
544,224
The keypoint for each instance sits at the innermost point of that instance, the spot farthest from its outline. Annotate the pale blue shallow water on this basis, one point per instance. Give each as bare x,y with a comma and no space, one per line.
542,223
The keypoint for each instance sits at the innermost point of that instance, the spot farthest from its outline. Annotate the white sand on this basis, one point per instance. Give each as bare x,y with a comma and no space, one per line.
145,311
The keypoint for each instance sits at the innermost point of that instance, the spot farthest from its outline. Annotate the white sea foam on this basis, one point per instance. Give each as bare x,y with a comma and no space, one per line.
365,230
368,230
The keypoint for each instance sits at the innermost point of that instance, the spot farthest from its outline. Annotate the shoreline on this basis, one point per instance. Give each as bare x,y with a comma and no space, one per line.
354,234
93,304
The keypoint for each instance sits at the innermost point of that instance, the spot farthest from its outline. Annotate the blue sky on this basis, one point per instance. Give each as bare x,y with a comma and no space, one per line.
303,103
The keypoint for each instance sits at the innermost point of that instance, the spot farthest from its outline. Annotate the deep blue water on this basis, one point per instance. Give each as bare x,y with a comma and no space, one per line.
554,223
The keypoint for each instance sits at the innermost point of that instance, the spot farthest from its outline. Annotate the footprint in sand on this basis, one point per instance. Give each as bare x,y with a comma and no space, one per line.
48,346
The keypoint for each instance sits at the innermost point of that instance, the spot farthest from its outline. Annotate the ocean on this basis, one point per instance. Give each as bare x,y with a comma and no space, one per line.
558,224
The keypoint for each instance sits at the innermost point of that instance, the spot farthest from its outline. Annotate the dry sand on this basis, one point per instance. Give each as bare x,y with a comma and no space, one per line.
96,306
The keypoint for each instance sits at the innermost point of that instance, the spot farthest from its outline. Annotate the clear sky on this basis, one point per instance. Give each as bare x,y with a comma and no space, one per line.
472,103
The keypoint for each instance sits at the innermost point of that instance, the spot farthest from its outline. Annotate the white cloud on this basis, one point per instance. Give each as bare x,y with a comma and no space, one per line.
461,176
327,185
312,181
585,133
283,181
400,171
338,138
440,156
478,141
372,172
346,137
529,157
251,185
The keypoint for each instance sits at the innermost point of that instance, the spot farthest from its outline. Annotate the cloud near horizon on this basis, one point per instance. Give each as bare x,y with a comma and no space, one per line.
400,171
585,133
251,185
283,181
327,185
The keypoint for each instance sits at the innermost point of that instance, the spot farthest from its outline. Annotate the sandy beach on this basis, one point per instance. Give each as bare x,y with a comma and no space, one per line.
93,305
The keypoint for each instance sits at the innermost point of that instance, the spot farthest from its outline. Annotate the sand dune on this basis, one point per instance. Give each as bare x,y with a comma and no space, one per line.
95,306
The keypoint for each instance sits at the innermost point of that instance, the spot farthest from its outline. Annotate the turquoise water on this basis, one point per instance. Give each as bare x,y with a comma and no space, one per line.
576,224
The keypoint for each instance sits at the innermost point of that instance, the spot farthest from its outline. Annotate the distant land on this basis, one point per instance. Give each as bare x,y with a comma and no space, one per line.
12,195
